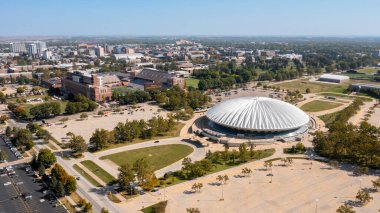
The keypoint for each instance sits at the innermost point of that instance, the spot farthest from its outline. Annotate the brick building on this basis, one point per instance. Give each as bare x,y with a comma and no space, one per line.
87,84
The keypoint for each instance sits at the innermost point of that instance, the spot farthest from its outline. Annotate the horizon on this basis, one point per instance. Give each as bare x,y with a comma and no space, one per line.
212,18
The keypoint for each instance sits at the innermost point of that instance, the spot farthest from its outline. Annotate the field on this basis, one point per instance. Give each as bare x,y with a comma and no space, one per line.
365,99
98,171
302,85
192,82
368,70
157,156
87,176
317,105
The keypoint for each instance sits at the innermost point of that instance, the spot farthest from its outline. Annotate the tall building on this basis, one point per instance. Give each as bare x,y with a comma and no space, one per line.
32,50
99,51
47,54
18,47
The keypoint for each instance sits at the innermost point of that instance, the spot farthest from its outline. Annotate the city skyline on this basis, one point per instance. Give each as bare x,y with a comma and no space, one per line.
195,18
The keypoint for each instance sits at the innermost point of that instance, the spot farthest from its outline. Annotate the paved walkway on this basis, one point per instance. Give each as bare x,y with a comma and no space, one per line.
359,116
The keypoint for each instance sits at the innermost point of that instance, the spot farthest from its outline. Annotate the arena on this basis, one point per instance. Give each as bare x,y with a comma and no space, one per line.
260,119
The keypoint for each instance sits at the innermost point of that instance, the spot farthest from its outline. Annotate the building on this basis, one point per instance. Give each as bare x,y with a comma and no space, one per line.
55,83
133,56
18,47
87,84
257,114
32,50
47,54
364,87
163,78
376,53
99,51
333,78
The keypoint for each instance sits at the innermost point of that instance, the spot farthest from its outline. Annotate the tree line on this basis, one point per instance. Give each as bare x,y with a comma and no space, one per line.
130,130
359,145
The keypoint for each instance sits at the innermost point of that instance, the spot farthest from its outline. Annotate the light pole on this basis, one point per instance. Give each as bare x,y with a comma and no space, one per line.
316,205
222,199
360,183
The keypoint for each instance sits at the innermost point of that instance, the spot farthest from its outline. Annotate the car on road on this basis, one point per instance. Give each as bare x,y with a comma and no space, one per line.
156,141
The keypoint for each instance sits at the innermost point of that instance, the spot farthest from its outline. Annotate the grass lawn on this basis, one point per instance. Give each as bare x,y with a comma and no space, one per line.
87,176
173,133
329,118
317,105
365,99
98,171
368,70
302,84
158,156
191,82
290,151
151,209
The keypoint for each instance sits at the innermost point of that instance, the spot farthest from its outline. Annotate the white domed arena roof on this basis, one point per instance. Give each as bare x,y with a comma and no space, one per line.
259,114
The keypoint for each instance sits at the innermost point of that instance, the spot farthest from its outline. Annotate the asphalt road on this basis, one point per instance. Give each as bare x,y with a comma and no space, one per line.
11,201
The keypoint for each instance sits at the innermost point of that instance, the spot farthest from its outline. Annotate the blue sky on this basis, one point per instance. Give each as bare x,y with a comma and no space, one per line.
190,17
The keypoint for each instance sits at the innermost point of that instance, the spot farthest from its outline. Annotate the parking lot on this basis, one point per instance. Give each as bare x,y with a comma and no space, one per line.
21,193
9,149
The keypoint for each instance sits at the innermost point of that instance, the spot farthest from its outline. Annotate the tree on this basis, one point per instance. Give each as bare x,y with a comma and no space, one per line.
46,158
104,210
83,115
363,197
20,89
70,185
307,90
3,156
192,210
222,179
8,131
246,172
346,208
41,170
268,164
60,189
3,118
243,152
23,137
376,184
126,178
143,171
87,207
77,143
100,139
196,187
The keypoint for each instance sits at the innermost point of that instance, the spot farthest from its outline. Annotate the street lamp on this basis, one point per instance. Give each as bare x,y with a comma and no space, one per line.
316,205
360,183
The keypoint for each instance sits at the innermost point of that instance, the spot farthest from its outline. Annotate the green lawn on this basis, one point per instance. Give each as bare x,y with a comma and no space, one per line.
98,171
157,156
192,82
87,176
368,70
317,105
365,99
315,87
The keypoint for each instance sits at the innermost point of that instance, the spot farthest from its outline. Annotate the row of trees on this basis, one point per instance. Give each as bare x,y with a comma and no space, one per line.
175,99
354,144
130,130
131,97
79,103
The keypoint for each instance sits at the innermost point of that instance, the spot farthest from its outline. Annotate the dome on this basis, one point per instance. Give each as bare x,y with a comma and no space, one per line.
257,114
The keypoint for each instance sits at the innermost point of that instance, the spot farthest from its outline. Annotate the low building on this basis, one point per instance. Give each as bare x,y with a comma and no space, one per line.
87,84
333,78
364,87
52,83
150,76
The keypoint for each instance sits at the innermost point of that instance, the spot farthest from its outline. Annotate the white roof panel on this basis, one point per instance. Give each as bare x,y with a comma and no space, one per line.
259,114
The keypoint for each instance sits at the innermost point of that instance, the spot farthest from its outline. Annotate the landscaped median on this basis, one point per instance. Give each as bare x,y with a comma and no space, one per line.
87,176
99,172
